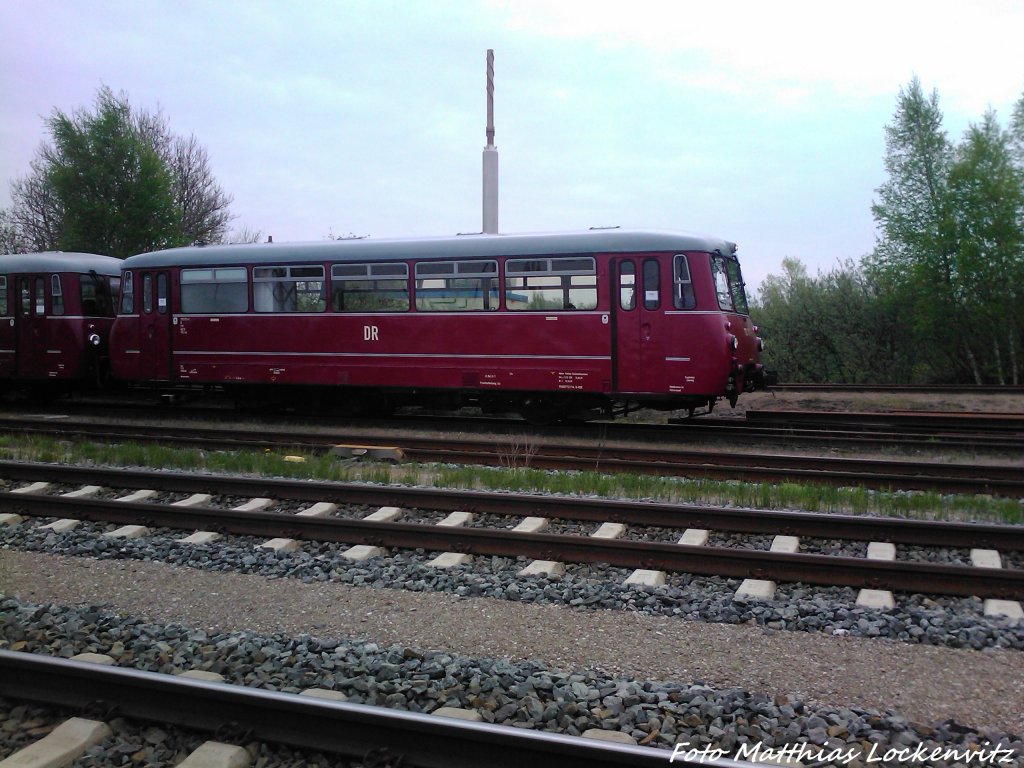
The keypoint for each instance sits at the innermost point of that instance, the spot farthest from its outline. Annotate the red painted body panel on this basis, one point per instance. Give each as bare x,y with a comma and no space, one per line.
494,350
664,354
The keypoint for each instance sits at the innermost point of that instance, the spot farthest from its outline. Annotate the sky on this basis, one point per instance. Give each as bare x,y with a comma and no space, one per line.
758,122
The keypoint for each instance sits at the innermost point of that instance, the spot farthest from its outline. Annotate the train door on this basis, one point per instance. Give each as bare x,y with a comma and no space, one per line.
8,330
30,327
638,316
154,325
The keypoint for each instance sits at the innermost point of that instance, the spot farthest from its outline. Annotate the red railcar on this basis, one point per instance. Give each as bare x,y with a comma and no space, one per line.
56,310
549,324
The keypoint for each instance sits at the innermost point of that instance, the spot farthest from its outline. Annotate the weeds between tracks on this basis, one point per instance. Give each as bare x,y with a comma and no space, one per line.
809,497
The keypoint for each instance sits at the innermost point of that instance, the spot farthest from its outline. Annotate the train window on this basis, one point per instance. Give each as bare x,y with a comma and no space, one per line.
627,285
40,297
682,291
24,289
652,284
95,295
739,294
147,293
721,282
729,284
56,296
161,293
289,289
370,287
220,290
127,294
548,284
3,295
456,286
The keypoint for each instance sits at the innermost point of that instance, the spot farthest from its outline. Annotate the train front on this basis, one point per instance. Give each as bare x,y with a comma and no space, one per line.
743,344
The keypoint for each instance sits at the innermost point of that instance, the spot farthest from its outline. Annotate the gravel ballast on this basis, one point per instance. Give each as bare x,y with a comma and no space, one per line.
926,684
522,693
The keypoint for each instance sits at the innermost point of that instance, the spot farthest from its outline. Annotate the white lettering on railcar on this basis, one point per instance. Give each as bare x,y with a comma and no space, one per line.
370,333
570,380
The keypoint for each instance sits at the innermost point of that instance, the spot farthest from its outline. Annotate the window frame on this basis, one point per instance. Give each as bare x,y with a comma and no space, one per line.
126,302
559,267
728,267
651,304
232,271
461,270
39,295
683,296
286,289
623,304
56,296
374,274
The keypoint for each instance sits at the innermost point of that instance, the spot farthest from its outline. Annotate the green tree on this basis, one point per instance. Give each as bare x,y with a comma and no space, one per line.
915,257
987,192
117,181
114,190
836,327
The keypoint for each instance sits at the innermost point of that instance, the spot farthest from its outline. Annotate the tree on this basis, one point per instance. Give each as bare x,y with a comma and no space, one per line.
836,327
113,188
117,181
9,239
916,250
987,193
203,205
951,236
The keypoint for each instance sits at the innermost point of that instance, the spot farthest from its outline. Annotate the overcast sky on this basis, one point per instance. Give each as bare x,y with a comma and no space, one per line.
759,122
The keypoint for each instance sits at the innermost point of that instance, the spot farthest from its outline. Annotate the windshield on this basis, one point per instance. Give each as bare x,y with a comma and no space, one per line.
729,284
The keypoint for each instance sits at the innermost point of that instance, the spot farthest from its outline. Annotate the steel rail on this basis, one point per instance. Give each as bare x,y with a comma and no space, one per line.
869,473
655,514
807,429
920,420
955,388
306,722
903,576
833,433
872,473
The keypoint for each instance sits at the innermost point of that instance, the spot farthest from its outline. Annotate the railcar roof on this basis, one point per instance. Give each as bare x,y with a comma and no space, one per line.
462,246
59,261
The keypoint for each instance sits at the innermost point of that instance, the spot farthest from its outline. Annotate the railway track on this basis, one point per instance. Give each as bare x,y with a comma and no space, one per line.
904,576
389,736
518,450
910,429
931,423
980,389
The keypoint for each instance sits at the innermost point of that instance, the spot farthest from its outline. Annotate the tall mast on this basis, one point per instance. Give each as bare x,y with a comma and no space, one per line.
490,160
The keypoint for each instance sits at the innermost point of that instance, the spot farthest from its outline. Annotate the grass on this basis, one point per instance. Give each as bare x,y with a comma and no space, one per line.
808,497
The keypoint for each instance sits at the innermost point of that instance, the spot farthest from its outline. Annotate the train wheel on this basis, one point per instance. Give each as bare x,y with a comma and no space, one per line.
542,411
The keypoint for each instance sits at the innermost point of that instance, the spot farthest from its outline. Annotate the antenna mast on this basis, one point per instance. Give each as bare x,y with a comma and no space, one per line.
490,160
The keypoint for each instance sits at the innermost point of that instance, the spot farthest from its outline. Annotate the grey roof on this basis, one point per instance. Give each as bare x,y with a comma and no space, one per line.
58,261
462,246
